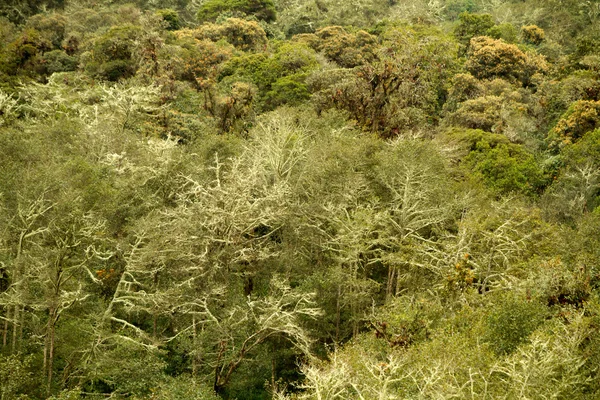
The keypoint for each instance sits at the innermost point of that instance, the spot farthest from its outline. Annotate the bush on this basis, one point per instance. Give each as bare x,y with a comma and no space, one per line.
58,61
290,90
347,50
52,27
25,51
533,34
244,35
506,32
582,116
472,25
171,18
112,56
261,9
490,58
463,87
503,166
511,322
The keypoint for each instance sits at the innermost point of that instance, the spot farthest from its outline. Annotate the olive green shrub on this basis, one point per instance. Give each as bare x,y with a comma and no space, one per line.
261,9
490,58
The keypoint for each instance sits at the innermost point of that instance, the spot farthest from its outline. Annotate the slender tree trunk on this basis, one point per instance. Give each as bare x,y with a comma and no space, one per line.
338,314
23,315
51,341
15,329
5,333
390,283
273,372
195,356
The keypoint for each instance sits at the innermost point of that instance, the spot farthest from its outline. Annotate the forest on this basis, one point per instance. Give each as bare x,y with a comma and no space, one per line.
300,199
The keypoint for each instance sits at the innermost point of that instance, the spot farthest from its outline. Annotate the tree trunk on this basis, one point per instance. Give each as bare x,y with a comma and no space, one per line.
338,314
5,333
51,342
15,329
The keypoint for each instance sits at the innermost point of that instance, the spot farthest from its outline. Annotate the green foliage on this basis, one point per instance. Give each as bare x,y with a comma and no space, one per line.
245,35
163,236
575,189
170,17
491,58
291,90
454,8
347,50
261,9
532,34
16,377
506,32
400,91
51,26
279,77
472,25
58,61
112,56
511,322
504,167
581,117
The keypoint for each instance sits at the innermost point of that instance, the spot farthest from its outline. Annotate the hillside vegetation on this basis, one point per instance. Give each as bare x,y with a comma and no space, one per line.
300,199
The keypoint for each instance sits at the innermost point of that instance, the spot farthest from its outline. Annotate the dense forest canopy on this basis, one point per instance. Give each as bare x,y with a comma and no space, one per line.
300,199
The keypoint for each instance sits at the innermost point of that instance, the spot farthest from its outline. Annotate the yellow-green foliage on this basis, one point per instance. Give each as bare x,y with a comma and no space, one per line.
244,35
401,90
346,49
533,34
555,96
277,76
195,60
511,322
472,25
583,116
506,32
261,9
170,18
492,58
52,27
23,54
503,166
112,55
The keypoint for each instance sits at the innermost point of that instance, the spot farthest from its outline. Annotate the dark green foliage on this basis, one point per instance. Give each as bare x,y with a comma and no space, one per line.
454,8
171,18
506,32
58,61
112,56
16,379
503,166
472,25
291,90
511,322
280,77
261,9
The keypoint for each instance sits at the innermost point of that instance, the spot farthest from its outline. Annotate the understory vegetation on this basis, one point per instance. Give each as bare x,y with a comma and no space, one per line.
303,199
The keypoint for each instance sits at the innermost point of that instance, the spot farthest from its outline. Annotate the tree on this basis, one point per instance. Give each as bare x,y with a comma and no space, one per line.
400,91
581,117
491,58
261,9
